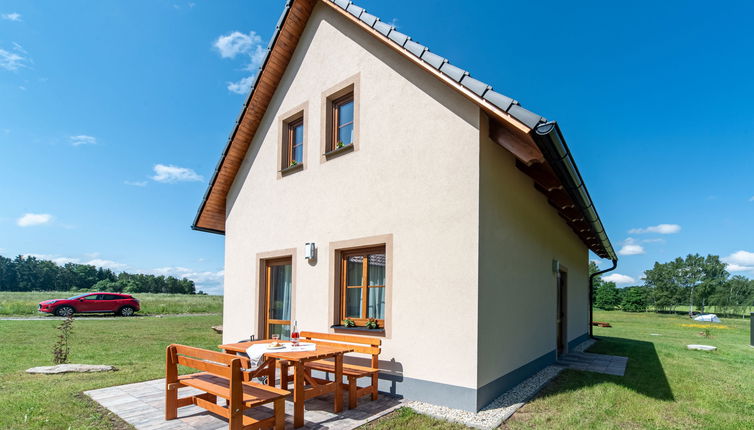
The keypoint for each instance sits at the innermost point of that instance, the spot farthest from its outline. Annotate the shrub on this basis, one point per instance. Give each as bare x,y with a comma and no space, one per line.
61,349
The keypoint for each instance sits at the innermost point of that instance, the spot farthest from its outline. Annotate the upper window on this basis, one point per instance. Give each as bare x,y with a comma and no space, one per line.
295,143
363,285
342,115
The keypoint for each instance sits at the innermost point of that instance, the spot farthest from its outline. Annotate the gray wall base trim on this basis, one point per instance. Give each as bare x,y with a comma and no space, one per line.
435,393
490,391
578,341
464,398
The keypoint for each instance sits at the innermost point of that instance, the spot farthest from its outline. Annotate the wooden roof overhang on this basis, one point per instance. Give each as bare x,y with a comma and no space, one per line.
521,137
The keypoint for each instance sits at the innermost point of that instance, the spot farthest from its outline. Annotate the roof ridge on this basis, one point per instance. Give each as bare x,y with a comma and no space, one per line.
442,64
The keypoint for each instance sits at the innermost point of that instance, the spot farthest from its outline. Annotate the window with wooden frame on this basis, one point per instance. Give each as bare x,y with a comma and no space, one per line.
363,285
294,143
342,127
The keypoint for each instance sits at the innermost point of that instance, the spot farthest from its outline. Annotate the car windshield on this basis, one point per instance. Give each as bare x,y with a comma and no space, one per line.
76,297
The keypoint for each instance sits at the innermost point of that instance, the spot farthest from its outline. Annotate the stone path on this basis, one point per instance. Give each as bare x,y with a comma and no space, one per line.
599,363
142,405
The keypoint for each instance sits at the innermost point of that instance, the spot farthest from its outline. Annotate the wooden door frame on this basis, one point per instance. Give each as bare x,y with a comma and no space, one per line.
262,303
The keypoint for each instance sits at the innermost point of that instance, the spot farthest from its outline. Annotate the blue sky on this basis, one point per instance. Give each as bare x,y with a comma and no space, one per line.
113,116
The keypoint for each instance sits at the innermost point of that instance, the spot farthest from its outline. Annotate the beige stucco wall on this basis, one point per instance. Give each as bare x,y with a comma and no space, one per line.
520,235
414,176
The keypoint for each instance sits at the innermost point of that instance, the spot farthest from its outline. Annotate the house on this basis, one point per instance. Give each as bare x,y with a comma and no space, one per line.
368,177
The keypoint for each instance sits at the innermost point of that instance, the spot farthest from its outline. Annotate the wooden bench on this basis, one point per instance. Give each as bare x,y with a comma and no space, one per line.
361,345
223,376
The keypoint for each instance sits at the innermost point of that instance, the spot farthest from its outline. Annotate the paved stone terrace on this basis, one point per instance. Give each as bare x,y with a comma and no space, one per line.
142,405
600,363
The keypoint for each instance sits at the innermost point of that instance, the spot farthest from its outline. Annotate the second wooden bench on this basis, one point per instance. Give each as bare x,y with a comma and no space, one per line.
360,344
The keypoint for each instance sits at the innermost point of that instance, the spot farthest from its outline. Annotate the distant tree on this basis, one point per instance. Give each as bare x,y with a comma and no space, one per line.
635,299
714,276
665,292
28,273
734,295
607,296
7,275
593,268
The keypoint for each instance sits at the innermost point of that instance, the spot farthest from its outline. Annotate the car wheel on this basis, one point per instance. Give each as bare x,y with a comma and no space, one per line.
126,311
64,311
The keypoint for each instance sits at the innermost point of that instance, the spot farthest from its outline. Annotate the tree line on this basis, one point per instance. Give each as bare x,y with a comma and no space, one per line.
27,273
684,282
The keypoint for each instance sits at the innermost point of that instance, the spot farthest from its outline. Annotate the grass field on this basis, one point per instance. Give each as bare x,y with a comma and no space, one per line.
25,304
136,346
666,386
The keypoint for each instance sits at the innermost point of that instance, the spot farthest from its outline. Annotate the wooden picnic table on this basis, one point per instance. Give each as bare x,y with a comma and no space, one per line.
317,387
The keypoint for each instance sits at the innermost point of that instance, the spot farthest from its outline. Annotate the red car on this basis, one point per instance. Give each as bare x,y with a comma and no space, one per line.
120,304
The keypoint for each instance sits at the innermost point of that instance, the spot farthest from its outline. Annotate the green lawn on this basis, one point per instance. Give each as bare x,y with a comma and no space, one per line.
25,304
136,346
666,386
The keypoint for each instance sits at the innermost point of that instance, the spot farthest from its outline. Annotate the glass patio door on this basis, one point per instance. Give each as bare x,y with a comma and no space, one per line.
278,279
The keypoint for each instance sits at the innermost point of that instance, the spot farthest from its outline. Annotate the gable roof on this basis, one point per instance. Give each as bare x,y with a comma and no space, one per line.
538,144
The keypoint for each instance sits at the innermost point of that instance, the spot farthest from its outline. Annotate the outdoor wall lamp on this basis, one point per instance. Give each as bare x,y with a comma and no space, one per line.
310,251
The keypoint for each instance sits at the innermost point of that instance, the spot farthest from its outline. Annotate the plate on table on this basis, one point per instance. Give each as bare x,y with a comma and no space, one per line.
276,347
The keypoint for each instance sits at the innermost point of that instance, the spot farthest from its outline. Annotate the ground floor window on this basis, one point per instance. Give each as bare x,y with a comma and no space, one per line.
363,285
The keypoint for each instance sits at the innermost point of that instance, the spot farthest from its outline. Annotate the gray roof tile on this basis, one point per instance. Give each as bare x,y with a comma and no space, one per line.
398,37
368,18
415,48
433,60
499,100
478,87
530,119
342,3
382,27
354,10
454,72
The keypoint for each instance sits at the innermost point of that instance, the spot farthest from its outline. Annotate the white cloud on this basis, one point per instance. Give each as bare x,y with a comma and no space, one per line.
241,86
30,219
740,261
55,259
732,267
660,229
618,278
107,264
170,174
235,43
656,240
250,46
13,16
630,247
751,199
12,60
82,139
136,183
631,250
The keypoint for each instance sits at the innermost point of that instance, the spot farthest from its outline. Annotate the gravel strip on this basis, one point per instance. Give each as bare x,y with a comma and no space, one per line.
499,410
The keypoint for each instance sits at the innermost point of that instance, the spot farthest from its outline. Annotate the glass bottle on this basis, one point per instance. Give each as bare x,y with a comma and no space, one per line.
294,334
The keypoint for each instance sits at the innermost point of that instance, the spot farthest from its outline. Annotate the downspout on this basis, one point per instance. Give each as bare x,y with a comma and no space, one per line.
550,141
591,293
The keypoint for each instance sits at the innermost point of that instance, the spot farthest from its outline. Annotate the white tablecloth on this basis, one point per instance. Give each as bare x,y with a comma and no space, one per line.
257,351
